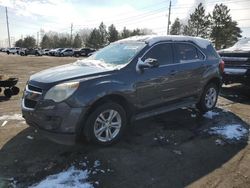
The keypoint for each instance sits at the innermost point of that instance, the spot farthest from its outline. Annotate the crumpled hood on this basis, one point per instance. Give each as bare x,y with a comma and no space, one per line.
69,71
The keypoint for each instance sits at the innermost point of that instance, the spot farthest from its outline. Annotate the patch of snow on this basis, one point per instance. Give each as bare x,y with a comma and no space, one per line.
152,39
71,178
229,132
219,142
11,117
30,137
98,63
193,115
177,152
4,123
97,164
210,114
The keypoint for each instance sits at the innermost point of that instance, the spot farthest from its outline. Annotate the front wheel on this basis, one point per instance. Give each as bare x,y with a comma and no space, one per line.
209,98
105,124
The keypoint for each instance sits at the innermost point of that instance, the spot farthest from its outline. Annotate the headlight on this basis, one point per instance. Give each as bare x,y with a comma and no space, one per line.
62,91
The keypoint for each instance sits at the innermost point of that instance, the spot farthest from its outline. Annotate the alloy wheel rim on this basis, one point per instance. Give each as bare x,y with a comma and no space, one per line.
107,125
210,98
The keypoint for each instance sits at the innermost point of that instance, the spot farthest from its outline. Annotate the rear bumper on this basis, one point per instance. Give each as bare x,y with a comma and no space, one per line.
236,75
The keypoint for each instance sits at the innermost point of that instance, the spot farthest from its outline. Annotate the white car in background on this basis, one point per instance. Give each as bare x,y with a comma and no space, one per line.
14,50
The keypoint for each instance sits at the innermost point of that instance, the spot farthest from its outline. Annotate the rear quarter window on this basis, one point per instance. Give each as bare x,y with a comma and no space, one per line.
186,53
211,53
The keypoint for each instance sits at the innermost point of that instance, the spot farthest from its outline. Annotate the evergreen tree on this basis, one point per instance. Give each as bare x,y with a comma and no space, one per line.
46,42
19,43
29,42
125,33
198,23
77,43
224,30
136,32
176,27
103,34
113,34
94,40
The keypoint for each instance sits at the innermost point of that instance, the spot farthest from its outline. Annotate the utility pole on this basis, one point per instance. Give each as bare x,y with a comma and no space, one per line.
71,32
7,21
169,13
37,39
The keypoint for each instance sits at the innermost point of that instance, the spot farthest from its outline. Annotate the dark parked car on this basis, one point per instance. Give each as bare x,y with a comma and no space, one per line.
237,62
127,80
31,51
67,52
84,52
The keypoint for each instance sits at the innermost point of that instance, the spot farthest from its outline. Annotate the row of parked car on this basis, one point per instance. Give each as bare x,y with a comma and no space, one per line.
60,52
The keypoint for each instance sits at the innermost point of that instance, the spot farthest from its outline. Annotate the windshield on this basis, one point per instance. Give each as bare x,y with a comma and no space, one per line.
243,43
118,53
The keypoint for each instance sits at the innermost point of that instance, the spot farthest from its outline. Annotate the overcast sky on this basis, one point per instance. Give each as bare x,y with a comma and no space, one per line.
27,17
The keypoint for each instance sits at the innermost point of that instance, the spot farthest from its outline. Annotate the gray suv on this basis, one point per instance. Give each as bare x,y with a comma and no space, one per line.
128,80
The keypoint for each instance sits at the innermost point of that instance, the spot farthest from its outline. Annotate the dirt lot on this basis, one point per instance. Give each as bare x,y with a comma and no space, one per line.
171,150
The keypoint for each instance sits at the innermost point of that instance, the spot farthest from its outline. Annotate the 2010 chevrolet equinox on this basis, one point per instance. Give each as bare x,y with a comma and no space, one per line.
128,80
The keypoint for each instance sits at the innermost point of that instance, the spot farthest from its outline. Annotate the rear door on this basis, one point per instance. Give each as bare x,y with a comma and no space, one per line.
191,66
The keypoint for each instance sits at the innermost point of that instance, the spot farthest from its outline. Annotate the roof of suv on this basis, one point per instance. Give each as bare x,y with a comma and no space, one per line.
152,39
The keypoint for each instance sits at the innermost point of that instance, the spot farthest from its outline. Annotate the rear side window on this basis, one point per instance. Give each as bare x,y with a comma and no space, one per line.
186,53
211,53
162,52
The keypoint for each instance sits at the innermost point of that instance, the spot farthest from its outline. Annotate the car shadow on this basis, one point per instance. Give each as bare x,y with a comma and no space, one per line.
237,93
170,150
3,98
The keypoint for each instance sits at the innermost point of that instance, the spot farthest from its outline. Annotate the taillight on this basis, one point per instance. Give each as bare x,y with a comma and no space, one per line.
222,66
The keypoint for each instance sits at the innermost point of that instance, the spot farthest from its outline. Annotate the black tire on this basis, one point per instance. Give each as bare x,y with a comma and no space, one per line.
8,93
89,130
203,105
15,90
0,90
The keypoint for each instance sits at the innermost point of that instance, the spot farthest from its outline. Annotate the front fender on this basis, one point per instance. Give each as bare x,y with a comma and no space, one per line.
89,93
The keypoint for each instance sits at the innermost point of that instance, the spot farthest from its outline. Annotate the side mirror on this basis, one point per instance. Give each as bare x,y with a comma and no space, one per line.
148,63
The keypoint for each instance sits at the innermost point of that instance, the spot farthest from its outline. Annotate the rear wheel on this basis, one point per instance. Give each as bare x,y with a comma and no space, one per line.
105,124
209,98
8,93
15,90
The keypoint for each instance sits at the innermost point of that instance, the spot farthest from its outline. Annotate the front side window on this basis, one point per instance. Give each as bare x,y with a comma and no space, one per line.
187,53
162,53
